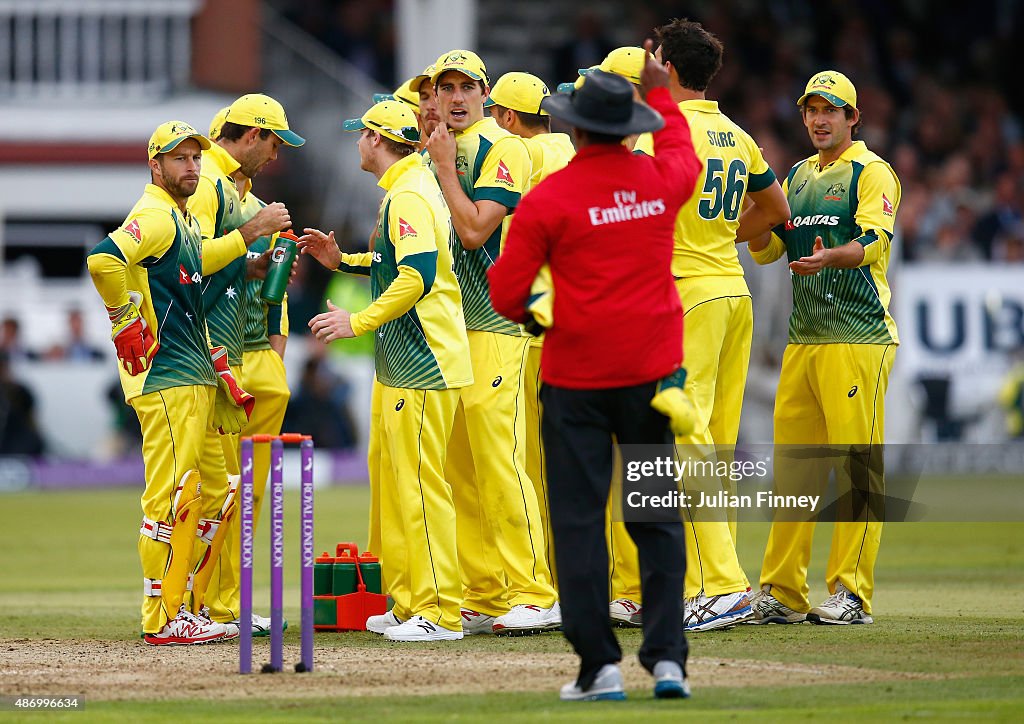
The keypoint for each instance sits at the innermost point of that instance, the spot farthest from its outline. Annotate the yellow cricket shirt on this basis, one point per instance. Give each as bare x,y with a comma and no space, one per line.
419,331
220,210
492,164
706,225
157,252
854,198
548,153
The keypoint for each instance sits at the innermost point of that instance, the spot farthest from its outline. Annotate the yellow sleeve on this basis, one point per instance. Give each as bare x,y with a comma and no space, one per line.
776,248
145,236
218,252
645,144
108,272
878,197
356,263
400,296
505,173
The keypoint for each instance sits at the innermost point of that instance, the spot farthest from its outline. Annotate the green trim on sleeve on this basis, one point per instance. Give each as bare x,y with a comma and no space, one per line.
866,239
508,199
425,263
107,246
761,181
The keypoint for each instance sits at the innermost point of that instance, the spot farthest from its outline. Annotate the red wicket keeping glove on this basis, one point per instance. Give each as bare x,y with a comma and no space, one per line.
233,406
132,337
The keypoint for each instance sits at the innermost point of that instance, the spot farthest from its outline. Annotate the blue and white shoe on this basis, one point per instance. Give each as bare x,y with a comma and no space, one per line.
418,628
607,686
842,607
704,614
669,682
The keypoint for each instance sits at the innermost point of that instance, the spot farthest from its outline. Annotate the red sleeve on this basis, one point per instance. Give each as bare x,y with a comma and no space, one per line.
673,146
525,252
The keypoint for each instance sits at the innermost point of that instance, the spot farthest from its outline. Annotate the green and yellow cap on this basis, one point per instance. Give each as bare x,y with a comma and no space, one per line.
833,86
261,111
464,61
521,92
393,119
627,61
168,135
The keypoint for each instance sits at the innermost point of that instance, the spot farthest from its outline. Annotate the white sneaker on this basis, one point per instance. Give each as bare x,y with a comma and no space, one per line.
231,628
528,619
669,682
474,622
418,628
704,614
624,612
185,629
380,624
260,624
842,607
607,686
768,609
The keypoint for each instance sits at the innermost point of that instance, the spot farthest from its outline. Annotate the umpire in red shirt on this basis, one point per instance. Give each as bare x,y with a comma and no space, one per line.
604,225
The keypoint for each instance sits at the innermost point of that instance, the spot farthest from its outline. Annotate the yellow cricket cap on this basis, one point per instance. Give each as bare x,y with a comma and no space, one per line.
393,119
464,61
218,122
627,61
519,91
168,135
260,111
833,86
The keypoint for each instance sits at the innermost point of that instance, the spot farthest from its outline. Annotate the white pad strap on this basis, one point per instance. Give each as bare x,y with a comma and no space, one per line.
207,529
157,530
154,586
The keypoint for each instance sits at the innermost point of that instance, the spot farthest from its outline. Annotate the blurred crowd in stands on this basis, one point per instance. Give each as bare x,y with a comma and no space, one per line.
938,89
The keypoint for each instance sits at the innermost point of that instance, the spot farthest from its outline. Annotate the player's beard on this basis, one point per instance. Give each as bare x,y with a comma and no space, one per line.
182,187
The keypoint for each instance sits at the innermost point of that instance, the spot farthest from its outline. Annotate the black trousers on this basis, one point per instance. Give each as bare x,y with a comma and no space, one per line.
578,426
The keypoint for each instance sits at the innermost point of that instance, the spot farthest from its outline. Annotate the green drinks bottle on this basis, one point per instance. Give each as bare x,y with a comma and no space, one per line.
280,269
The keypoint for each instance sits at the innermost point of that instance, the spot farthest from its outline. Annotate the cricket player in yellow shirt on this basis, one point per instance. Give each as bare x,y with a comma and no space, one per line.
253,129
149,275
483,171
842,341
514,103
717,311
422,361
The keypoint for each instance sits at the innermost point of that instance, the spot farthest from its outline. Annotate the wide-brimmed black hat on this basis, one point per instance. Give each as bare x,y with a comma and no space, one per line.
604,104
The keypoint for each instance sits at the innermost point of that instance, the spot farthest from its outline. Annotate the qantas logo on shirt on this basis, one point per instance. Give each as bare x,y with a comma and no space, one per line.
811,221
886,205
504,175
185,278
405,228
132,227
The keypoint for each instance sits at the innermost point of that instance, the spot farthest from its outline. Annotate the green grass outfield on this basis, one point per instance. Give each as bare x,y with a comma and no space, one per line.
949,607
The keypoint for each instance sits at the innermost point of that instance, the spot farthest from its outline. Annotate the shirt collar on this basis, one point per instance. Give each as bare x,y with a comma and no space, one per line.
226,164
163,197
847,156
479,126
700,104
399,169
